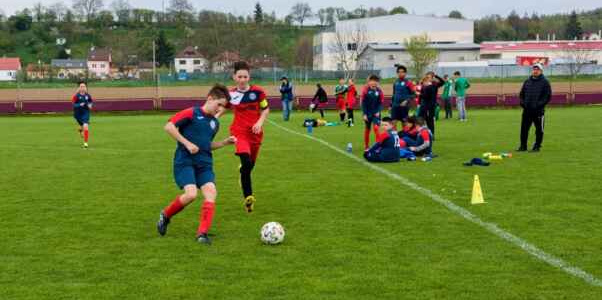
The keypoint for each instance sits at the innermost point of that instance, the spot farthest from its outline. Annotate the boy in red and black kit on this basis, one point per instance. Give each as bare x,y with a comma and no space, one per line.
351,97
372,103
251,109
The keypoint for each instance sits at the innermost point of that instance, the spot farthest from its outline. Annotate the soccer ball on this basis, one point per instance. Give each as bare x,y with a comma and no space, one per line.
272,233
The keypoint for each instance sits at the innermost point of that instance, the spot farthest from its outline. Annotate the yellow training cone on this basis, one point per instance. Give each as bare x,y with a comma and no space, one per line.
477,193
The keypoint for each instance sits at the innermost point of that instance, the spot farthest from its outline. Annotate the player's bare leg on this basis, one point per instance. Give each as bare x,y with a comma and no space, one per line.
177,205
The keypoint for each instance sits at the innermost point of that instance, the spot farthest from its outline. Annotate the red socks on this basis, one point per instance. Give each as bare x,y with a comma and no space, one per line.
375,130
206,217
173,208
86,134
366,138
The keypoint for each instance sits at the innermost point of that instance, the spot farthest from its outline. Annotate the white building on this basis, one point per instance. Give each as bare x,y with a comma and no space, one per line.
553,52
382,56
9,67
387,30
190,60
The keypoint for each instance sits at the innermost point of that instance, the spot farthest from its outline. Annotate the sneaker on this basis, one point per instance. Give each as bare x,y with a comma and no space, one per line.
535,149
249,203
85,145
521,149
203,238
162,224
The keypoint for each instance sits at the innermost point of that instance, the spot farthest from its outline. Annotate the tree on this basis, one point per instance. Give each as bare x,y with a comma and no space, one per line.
22,20
165,51
38,12
398,10
573,27
181,10
300,12
377,12
87,8
348,43
304,52
122,9
322,15
258,13
59,9
455,14
423,55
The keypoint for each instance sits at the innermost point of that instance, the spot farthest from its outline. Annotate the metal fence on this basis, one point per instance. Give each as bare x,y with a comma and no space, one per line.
503,71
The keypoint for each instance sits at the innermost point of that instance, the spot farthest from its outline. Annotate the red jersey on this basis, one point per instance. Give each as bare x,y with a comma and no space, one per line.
351,96
247,106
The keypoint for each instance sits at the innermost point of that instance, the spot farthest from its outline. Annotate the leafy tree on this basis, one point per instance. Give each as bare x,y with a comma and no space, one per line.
300,12
573,27
398,10
258,13
423,55
455,14
165,51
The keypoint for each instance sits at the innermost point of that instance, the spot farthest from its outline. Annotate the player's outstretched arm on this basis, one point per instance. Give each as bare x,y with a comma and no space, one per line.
229,141
172,130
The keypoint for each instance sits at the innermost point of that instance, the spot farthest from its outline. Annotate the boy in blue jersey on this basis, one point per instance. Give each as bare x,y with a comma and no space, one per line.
424,140
194,129
82,104
403,91
386,148
372,99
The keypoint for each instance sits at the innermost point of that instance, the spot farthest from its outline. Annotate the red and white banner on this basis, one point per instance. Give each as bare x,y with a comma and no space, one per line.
528,61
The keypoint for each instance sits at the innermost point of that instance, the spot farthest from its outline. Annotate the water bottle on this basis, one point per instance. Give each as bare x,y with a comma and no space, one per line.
349,148
310,129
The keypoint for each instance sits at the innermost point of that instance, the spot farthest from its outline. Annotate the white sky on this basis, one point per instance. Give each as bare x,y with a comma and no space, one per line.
470,8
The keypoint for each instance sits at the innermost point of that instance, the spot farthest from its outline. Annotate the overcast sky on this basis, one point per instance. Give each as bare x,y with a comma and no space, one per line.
470,8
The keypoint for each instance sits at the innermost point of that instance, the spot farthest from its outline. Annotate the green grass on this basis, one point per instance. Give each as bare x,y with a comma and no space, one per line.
80,224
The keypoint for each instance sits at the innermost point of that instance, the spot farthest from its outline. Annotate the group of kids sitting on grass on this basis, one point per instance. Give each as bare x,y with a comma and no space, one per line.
415,139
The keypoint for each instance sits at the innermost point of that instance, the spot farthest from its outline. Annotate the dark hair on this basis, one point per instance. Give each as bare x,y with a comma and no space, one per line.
411,119
341,77
80,83
318,85
284,78
445,76
387,119
457,73
420,121
219,91
241,65
373,77
401,67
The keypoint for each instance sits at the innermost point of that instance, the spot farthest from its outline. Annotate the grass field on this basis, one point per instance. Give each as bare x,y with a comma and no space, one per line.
80,224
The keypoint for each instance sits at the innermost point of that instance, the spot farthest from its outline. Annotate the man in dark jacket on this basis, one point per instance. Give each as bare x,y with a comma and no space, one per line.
534,95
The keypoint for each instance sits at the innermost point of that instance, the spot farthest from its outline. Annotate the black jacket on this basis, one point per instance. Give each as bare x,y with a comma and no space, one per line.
320,96
428,94
535,94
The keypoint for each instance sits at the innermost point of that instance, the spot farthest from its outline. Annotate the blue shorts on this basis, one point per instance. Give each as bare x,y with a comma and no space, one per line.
372,120
197,175
82,117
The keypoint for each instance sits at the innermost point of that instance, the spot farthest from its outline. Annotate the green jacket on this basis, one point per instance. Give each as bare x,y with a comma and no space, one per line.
461,86
447,89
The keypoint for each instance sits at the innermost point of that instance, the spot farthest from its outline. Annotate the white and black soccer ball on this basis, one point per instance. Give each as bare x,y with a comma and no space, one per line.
272,233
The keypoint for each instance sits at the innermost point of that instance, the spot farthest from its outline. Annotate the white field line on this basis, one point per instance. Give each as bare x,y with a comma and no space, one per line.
464,213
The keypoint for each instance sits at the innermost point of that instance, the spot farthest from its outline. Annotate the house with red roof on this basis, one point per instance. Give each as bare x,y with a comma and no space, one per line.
9,67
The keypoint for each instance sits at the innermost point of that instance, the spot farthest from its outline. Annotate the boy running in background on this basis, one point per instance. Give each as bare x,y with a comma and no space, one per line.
82,104
340,92
351,97
251,109
194,129
403,91
386,148
372,103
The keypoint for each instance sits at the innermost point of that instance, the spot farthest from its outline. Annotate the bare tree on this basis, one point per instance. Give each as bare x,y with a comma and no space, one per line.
122,9
87,8
181,9
300,12
574,61
423,55
59,9
347,45
304,54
